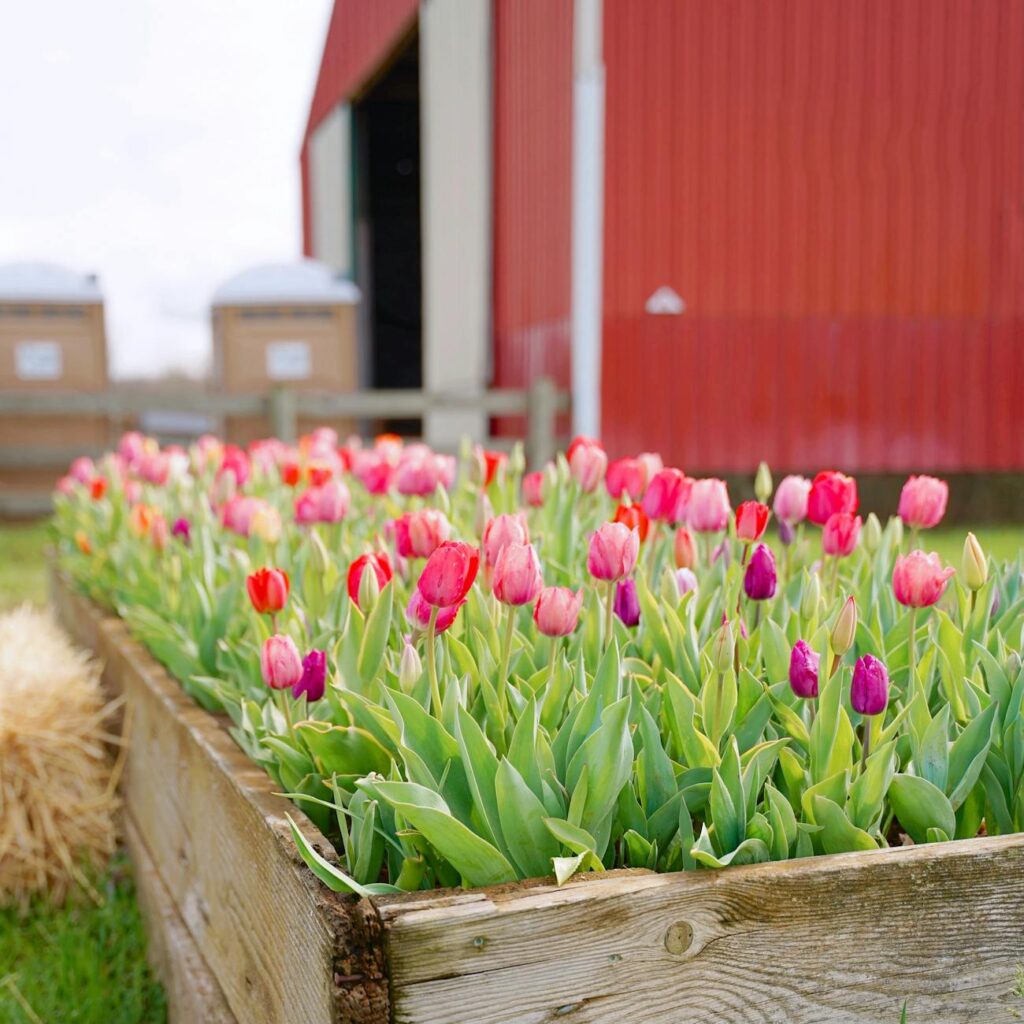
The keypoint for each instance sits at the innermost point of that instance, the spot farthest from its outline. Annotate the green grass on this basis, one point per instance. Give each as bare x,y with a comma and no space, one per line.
999,542
79,964
22,571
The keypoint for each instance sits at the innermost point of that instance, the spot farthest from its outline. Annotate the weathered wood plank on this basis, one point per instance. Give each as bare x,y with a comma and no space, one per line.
282,947
193,993
839,939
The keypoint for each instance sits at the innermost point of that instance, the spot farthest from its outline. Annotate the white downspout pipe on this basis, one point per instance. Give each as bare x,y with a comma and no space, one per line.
587,215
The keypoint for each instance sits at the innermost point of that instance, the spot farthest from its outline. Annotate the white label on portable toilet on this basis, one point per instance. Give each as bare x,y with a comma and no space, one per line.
289,360
38,360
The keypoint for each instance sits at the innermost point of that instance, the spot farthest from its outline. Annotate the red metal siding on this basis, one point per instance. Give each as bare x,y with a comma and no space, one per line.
360,36
836,190
532,190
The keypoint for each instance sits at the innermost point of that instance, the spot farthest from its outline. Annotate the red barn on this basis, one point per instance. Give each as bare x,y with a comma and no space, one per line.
737,230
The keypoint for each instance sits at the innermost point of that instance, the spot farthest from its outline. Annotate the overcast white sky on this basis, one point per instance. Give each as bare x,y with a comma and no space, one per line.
156,143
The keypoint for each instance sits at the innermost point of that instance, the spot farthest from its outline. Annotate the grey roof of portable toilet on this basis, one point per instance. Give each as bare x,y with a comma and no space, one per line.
46,282
305,282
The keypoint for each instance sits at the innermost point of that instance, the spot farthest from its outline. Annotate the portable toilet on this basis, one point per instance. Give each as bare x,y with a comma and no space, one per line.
289,324
52,341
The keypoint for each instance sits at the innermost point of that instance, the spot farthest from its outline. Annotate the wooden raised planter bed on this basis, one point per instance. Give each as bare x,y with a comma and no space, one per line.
241,931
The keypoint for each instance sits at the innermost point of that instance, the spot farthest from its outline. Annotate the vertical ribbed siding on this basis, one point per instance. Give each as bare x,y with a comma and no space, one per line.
360,36
532,191
837,192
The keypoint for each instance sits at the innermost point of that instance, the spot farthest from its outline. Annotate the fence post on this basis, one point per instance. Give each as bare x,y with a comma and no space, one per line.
541,409
283,414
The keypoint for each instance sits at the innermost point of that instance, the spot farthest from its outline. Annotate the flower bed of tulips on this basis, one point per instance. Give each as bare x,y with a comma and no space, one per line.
466,675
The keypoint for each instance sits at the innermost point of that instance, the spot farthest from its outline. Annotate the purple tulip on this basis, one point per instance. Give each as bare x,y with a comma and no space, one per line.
686,580
314,676
786,532
627,604
722,552
182,529
760,578
803,670
869,692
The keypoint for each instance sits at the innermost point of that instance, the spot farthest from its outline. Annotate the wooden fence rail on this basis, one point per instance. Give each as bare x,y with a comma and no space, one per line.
540,404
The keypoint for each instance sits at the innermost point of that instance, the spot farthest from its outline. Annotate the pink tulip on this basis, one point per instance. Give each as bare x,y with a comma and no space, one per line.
684,549
418,534
325,504
533,488
667,496
588,462
235,464
613,551
419,611
82,469
448,574
651,461
923,501
280,662
790,505
373,470
708,510
626,476
840,534
517,576
557,610
500,532
237,513
66,484
919,580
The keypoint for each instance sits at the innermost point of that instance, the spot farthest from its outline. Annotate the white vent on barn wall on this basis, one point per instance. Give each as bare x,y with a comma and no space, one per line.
665,301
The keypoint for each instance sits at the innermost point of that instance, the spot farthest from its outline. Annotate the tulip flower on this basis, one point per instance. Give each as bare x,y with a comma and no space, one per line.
280,662
831,492
500,532
613,552
845,629
919,579
708,508
626,477
159,532
418,612
182,529
237,513
651,461
140,519
517,575
666,497
686,581
760,579
420,471
790,505
786,534
869,691
840,534
872,533
923,502
627,604
751,521
763,483
82,542
314,677
234,464
488,466
684,549
291,473
418,534
974,565
449,574
82,469
266,523
377,564
587,463
633,516
803,670
557,610
533,488
268,590
410,667
97,487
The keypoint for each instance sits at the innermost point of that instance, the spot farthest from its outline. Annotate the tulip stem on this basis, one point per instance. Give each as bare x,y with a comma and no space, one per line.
653,541
506,655
912,652
282,699
608,613
866,744
435,690
553,658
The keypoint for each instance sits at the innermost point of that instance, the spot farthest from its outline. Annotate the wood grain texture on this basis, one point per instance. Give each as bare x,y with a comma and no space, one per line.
282,947
837,939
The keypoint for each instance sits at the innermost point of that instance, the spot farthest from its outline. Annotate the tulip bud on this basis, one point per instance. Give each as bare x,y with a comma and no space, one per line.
803,670
974,565
787,534
517,459
869,691
896,525
684,549
1013,666
872,535
685,581
723,649
369,591
280,662
410,668
845,628
319,558
314,676
810,600
484,512
627,604
760,579
763,483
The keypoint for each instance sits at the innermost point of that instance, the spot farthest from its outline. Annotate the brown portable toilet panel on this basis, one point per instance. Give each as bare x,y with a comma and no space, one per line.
291,324
52,340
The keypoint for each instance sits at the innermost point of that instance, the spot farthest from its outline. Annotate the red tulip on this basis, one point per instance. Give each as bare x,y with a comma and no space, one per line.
557,610
489,465
533,488
919,580
667,496
626,477
517,576
751,521
613,551
449,574
831,492
923,501
98,487
280,662
633,516
378,563
840,534
290,473
268,590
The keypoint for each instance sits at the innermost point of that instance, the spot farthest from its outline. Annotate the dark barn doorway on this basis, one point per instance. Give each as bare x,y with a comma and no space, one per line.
387,134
